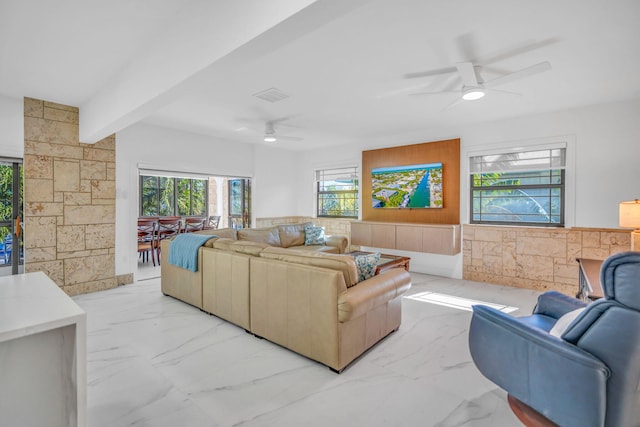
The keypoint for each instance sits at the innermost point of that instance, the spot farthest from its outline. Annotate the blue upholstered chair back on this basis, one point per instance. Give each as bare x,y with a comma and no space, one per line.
610,330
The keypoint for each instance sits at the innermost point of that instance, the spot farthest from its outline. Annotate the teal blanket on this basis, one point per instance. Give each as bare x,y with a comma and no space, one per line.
184,250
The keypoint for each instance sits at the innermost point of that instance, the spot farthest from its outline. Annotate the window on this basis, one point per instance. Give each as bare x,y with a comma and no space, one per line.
337,192
519,188
172,196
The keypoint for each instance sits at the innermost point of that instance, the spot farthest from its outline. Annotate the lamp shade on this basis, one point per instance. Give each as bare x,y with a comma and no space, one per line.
630,214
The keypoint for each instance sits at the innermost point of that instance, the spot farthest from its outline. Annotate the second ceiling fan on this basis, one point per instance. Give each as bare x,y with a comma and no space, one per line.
473,86
270,133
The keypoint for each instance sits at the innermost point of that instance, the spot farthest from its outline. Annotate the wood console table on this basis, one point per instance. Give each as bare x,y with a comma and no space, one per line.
43,354
589,284
443,239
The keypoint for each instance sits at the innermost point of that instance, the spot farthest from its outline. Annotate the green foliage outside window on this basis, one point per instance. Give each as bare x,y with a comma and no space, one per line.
6,197
168,196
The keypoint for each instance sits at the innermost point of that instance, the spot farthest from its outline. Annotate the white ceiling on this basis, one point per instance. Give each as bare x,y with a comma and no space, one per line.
194,65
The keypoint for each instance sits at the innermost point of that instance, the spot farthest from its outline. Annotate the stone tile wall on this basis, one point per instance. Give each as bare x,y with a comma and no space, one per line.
535,258
69,200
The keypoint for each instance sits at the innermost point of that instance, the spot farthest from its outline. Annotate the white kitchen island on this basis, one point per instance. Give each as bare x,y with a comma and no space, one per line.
43,354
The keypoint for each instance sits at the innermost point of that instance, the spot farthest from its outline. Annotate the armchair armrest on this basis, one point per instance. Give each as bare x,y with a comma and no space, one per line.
554,304
337,241
558,379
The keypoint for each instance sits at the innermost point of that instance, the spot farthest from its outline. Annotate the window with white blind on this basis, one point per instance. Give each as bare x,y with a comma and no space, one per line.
337,192
519,187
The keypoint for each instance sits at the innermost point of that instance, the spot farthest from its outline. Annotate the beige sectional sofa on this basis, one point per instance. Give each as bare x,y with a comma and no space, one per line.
305,298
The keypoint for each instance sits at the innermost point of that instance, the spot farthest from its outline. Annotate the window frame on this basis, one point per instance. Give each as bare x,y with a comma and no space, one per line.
321,174
566,195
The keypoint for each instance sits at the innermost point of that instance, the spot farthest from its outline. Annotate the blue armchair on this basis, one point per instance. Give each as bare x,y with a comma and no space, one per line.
590,376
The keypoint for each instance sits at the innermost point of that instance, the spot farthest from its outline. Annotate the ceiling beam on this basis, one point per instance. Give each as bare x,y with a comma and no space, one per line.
212,34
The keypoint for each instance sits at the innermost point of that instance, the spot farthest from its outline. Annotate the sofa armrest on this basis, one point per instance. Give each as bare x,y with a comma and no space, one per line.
554,304
337,241
552,376
371,293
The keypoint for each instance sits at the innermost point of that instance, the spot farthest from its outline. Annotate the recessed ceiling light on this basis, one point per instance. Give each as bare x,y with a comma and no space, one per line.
471,93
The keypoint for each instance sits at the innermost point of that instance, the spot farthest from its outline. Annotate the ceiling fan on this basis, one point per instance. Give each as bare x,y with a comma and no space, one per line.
473,85
270,135
469,73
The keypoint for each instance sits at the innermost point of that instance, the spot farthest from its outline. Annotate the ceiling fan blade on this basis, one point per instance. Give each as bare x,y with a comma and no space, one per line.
453,104
433,93
504,91
428,73
520,74
247,129
289,138
515,50
279,120
468,73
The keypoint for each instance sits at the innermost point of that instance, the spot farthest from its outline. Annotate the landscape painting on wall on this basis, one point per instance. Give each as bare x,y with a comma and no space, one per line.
413,186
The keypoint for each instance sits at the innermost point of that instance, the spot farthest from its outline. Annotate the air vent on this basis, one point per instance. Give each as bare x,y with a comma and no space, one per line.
271,95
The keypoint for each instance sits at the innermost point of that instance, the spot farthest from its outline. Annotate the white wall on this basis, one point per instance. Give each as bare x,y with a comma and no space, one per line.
165,149
275,186
11,127
607,151
607,148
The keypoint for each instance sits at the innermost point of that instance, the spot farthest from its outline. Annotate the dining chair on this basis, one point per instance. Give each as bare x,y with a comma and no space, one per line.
168,227
213,222
146,239
194,224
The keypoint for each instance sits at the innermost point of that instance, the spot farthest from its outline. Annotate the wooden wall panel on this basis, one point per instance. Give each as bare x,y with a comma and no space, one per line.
447,152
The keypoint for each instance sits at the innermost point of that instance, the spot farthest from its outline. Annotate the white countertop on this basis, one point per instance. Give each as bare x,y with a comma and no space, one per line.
32,303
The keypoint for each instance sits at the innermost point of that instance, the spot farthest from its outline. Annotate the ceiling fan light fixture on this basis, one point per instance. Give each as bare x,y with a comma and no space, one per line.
270,137
471,93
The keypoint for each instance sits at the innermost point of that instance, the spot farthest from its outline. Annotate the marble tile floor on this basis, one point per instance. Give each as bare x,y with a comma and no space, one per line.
146,271
156,361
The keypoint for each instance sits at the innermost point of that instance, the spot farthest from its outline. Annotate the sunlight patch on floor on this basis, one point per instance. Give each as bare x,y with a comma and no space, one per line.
457,302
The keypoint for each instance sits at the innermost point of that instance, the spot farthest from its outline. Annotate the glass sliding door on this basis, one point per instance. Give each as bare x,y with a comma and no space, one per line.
11,225
240,203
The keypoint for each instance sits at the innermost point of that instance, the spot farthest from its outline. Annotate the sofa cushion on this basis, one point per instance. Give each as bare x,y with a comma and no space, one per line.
242,246
316,248
247,247
223,243
292,234
267,235
229,233
366,265
313,235
342,263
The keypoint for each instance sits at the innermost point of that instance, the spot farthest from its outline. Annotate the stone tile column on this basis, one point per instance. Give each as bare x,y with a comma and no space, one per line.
69,200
